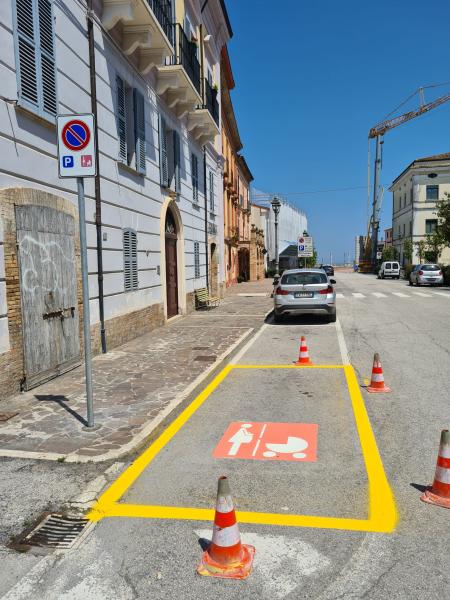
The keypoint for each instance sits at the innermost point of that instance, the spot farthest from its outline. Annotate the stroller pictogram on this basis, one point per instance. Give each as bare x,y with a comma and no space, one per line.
294,446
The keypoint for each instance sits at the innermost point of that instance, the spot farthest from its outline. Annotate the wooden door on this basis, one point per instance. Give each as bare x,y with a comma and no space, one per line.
171,275
48,287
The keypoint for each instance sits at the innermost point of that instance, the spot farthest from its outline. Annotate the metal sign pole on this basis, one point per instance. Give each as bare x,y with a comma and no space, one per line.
86,312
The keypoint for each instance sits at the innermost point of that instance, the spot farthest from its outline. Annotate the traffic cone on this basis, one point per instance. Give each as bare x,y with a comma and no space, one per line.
439,492
226,557
303,354
377,381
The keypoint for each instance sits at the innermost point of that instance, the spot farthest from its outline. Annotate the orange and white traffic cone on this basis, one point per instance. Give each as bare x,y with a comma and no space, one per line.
303,354
226,557
377,384
439,492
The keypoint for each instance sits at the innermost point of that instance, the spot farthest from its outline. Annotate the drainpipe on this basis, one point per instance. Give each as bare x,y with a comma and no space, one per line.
98,203
206,219
202,80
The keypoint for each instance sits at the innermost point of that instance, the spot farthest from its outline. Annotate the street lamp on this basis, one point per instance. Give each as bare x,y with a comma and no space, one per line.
276,205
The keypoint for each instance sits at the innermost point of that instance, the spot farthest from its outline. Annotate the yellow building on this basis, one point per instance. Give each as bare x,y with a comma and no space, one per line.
236,181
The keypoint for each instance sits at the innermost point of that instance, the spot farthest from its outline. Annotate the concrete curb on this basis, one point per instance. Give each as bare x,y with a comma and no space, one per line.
146,431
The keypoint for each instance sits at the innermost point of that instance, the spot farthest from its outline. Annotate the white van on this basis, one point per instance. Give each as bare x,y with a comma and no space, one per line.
389,269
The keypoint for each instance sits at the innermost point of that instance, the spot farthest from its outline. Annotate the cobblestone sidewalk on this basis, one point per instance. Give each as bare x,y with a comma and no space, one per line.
135,385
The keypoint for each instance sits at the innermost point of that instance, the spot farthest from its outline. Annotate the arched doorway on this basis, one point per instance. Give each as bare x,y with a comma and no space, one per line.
171,264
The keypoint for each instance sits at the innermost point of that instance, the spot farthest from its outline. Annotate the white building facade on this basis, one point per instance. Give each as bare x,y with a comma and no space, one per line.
154,215
292,222
414,196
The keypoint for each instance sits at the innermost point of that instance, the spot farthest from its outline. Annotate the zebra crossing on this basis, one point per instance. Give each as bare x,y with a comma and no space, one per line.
411,294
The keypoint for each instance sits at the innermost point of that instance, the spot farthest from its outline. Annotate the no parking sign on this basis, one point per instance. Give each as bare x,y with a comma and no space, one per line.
76,145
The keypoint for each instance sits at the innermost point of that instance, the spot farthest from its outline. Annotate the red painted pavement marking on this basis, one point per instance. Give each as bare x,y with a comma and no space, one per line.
269,441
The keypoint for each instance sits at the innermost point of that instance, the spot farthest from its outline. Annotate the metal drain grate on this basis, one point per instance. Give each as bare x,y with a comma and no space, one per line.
210,358
55,531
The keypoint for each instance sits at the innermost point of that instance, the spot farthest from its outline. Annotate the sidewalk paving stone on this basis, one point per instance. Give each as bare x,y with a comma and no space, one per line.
133,383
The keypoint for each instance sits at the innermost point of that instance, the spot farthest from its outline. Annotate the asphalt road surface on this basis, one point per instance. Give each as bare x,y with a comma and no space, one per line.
138,551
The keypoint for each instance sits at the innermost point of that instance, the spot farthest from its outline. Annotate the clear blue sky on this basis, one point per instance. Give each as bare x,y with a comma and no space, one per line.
313,77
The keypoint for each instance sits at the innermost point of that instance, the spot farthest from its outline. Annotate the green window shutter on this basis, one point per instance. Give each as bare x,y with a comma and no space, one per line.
163,161
194,167
177,160
121,119
26,53
139,131
47,57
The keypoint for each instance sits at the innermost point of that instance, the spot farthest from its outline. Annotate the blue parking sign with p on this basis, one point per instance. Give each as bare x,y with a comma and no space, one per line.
67,162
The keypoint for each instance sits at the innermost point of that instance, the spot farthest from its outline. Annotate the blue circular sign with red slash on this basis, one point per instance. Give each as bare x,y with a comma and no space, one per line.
75,135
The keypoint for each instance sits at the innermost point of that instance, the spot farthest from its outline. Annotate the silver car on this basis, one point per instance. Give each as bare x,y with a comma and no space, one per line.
426,274
305,292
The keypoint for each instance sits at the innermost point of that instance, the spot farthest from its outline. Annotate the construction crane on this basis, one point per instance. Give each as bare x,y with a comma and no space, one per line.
377,132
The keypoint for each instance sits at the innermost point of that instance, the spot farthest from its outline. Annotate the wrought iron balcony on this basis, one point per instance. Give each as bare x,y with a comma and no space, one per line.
162,10
211,103
186,56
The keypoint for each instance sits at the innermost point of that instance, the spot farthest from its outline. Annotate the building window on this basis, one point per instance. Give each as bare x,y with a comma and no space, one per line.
430,225
411,195
241,200
211,191
196,259
35,56
410,228
169,156
131,126
432,193
130,266
194,168
399,234
404,229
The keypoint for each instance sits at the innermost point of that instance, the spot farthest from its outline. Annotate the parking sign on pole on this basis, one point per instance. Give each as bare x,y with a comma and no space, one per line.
305,246
76,159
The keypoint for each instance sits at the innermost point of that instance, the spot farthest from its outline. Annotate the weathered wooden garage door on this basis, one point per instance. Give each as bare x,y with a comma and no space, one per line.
48,283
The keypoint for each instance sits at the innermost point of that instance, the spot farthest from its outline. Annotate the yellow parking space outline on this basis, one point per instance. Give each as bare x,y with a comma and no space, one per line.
381,506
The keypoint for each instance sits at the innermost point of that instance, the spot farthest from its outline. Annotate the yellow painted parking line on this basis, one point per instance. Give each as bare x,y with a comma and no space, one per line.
382,510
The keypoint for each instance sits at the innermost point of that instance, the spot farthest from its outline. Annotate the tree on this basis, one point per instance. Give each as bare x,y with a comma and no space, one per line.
311,261
421,249
443,225
434,245
408,250
389,253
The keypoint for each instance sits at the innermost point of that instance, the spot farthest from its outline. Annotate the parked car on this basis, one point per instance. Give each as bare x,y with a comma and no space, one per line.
329,270
305,291
389,269
426,275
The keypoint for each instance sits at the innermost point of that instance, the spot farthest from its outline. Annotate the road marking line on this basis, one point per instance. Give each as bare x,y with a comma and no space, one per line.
342,345
382,509
400,295
441,294
358,295
379,295
340,296
422,294
248,345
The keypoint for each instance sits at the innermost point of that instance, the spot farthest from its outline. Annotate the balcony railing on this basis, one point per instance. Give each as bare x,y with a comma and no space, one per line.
186,56
162,9
211,102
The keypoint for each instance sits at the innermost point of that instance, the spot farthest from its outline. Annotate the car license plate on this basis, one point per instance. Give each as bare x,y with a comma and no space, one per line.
304,295
431,278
